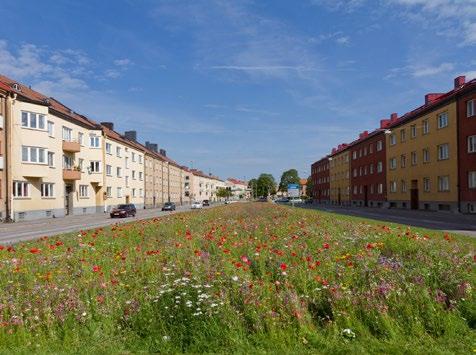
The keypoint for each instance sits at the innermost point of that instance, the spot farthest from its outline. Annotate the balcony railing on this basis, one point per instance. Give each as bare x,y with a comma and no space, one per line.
73,146
71,174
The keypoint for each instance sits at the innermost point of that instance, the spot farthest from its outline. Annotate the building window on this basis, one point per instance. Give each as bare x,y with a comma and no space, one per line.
21,189
403,186
426,127
472,179
443,151
403,160
414,158
47,190
380,188
393,186
365,151
443,120
355,172
94,141
127,180
472,144
133,192
133,157
95,166
118,151
393,163
372,188
108,170
51,159
379,167
403,135
109,191
127,163
51,128
133,174
108,148
413,131
67,162
379,146
426,184
33,155
119,192
119,172
33,120
426,155
443,183
140,175
371,169
354,155
83,191
471,108
393,139
141,193
140,159
67,134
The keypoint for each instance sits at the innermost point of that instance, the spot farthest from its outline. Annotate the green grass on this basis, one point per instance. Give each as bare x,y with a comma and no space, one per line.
244,278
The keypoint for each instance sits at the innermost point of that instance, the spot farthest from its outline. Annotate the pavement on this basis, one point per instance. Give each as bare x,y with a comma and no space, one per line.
444,221
27,230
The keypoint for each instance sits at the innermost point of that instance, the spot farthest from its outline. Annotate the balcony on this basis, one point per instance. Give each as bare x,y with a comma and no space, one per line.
69,174
72,147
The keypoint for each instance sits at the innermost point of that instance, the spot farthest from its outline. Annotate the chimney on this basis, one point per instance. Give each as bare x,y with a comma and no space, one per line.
334,150
131,135
460,81
384,123
393,117
163,152
109,125
363,134
432,97
152,146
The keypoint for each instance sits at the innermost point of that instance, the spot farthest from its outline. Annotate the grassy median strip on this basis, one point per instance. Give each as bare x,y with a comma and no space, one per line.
241,278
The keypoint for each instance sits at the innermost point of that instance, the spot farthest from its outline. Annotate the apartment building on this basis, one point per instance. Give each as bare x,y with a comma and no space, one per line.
124,169
239,188
320,175
368,186
467,143
5,101
52,150
422,156
204,187
339,173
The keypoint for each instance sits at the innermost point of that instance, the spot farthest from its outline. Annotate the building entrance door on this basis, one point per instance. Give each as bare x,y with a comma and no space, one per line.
128,199
414,198
68,198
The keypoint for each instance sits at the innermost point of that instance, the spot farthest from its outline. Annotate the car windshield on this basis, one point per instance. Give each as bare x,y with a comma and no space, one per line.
168,204
122,207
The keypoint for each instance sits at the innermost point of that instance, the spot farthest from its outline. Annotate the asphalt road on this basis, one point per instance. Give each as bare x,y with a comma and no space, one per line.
449,222
15,232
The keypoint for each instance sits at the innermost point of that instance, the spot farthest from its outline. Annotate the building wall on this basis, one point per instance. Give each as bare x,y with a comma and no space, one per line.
467,160
412,175
340,178
62,202
321,180
153,182
3,118
175,183
131,180
368,184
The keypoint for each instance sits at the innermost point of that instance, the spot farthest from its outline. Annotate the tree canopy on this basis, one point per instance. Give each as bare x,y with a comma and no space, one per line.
264,185
224,192
289,177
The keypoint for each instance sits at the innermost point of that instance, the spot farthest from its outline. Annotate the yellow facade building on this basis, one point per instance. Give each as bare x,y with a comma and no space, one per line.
422,153
339,173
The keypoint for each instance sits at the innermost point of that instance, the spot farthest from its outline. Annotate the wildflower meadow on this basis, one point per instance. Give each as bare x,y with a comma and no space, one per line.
247,278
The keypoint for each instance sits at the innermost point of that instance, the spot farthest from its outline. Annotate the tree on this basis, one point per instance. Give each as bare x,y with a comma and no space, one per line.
309,187
224,192
289,177
253,185
266,185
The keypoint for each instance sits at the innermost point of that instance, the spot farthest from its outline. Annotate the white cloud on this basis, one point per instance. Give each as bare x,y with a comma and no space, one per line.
339,5
432,70
122,62
470,75
343,40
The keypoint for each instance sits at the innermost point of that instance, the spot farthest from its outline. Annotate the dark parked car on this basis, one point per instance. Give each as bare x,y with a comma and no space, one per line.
123,211
168,206
206,203
308,201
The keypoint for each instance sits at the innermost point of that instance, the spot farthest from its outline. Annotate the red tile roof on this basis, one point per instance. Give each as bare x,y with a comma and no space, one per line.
237,181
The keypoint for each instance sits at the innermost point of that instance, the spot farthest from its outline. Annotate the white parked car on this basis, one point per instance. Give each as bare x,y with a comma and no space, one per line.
196,205
295,200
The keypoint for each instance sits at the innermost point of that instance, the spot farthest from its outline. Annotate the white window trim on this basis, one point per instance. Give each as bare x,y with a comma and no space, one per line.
29,149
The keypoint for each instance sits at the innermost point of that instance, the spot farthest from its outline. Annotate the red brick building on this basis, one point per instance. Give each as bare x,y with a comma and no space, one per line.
368,167
321,180
467,146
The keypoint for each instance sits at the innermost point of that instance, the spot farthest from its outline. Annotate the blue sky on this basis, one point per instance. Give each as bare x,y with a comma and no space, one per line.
240,87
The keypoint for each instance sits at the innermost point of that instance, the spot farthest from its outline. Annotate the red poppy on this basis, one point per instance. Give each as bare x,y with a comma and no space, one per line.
283,266
245,259
96,268
2,247
35,250
326,246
